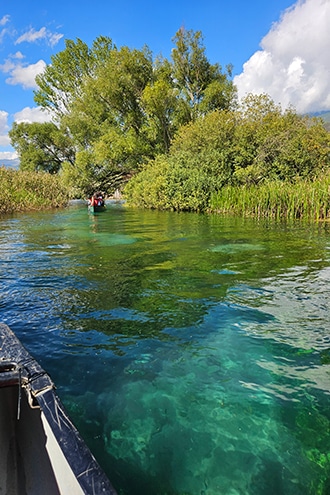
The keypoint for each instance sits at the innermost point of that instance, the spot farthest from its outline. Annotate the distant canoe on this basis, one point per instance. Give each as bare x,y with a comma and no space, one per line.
96,209
41,450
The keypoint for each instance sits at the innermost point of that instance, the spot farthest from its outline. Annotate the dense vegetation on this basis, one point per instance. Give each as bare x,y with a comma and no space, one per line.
174,130
27,190
112,109
305,199
253,160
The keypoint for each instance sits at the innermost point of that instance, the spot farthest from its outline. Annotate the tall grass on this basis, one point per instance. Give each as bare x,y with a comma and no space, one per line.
303,199
22,191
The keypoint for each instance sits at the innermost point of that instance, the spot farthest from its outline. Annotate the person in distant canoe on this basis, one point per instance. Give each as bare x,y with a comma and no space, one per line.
96,200
100,200
93,201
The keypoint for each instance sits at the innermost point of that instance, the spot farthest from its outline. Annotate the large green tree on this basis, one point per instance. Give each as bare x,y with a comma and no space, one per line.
108,119
122,108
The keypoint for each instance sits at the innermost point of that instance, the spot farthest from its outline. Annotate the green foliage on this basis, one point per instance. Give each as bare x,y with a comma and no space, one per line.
120,107
41,147
80,177
275,145
303,199
26,190
178,184
119,84
62,80
202,86
154,176
255,159
198,164
84,178
187,184
214,132
107,120
161,104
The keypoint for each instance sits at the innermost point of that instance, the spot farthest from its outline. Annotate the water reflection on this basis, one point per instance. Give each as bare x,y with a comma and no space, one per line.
192,351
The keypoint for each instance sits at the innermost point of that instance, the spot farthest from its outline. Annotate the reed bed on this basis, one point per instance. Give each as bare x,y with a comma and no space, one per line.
308,200
23,191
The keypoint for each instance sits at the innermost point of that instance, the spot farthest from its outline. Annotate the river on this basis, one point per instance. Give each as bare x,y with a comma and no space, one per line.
191,351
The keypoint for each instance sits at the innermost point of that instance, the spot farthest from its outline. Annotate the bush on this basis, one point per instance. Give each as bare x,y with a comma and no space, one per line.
256,145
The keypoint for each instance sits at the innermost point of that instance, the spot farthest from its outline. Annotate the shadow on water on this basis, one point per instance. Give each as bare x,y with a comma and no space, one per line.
191,351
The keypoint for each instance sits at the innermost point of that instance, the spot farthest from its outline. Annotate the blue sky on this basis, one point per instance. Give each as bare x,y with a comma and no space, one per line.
276,46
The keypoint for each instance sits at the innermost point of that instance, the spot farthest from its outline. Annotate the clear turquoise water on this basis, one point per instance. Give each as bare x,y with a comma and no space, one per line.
192,351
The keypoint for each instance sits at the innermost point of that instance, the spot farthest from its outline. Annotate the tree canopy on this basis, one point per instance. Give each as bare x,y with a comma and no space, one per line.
120,107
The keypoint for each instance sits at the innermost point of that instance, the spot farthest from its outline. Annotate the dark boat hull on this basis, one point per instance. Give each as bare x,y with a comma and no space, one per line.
96,209
41,450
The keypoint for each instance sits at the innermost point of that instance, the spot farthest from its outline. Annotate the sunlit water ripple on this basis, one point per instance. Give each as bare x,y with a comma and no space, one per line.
192,352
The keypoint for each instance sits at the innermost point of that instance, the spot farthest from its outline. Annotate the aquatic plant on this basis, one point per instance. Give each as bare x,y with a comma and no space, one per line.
303,199
25,190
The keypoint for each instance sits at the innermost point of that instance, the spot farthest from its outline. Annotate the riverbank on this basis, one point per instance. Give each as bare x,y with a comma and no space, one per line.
25,191
303,199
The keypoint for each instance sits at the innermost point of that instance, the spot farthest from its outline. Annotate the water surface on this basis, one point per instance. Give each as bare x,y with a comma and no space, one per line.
192,351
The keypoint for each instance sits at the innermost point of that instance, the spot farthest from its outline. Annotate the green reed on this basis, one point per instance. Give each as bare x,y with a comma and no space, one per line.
23,190
303,199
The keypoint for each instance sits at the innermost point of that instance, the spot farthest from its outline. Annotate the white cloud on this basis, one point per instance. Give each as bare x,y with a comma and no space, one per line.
3,120
8,155
4,138
4,20
18,55
27,114
30,115
32,36
293,65
22,74
54,38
